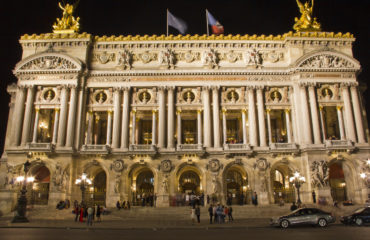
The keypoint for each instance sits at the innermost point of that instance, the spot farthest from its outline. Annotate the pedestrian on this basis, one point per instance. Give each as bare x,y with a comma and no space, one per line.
90,214
214,213
219,212
210,211
192,215
118,205
82,211
197,212
207,199
230,215
98,213
226,212
313,196
77,212
255,199
293,207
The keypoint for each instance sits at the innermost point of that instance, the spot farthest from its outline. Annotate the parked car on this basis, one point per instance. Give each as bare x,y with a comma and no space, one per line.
359,217
310,216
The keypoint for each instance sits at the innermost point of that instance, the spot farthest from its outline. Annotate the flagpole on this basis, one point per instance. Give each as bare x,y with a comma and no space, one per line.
207,22
167,22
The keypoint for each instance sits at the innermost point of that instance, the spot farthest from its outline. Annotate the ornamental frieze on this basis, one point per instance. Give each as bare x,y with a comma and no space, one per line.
49,63
328,92
233,95
188,95
103,57
326,61
277,95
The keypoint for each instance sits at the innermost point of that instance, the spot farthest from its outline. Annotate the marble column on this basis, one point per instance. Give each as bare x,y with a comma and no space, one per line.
340,121
269,125
216,118
199,128
244,123
206,118
133,130
90,126
358,115
252,118
306,116
288,127
126,120
154,127
161,117
18,115
261,117
116,118
63,117
322,123
81,117
55,127
170,118
350,126
224,126
109,128
35,125
71,117
28,115
178,113
314,115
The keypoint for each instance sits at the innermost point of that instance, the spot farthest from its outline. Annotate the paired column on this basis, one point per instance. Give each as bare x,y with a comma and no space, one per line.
216,118
252,118
269,125
170,118
18,115
350,126
199,130
306,117
71,117
133,133
63,117
37,117
125,121
206,118
322,123
244,123
314,115
55,127
28,115
81,117
224,126
154,127
358,115
109,128
288,128
178,113
261,117
116,117
161,117
340,121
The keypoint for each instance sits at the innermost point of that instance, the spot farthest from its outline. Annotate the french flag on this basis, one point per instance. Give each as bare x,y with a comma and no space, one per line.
216,26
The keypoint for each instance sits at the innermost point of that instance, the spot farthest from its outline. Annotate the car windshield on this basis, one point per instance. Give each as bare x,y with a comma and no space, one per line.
359,210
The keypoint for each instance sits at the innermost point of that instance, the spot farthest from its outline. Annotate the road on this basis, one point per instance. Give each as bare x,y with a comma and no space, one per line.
337,232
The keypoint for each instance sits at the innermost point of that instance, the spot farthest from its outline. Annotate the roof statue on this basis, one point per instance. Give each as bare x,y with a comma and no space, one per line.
68,23
306,23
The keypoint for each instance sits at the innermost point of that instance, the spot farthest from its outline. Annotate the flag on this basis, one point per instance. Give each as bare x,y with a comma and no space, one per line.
216,26
177,23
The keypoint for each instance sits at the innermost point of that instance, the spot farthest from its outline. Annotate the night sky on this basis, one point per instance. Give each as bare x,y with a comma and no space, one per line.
122,17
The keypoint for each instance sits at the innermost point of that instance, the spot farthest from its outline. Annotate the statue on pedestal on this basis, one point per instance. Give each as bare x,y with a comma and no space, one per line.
68,23
306,23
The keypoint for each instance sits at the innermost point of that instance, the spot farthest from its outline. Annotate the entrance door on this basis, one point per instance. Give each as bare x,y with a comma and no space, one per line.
235,192
39,194
144,189
337,182
96,193
189,182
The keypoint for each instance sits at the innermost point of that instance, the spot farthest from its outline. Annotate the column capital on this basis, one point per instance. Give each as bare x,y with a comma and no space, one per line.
345,85
354,84
110,111
21,87
287,110
244,110
303,84
117,89
259,87
268,110
339,108
321,107
215,88
250,88
170,88
224,110
162,88
205,88
133,111
178,111
90,112
154,111
37,109
199,110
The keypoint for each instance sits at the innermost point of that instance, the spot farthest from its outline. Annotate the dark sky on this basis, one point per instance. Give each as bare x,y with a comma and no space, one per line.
122,17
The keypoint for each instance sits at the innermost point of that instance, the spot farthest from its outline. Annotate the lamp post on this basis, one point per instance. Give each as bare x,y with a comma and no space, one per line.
83,182
297,181
20,217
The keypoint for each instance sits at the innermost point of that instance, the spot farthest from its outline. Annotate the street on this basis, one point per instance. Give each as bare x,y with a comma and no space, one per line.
337,232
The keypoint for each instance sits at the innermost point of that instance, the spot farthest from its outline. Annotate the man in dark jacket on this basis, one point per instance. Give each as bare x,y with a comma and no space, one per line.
210,211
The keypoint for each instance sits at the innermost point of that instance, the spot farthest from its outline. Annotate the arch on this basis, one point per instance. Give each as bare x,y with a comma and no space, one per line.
96,193
142,184
281,188
39,191
236,184
186,168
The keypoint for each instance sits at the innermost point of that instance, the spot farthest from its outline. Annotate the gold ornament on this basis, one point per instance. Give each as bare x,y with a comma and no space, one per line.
68,24
306,23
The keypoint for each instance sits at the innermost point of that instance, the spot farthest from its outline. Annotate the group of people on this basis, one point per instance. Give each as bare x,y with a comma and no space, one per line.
63,204
145,199
187,199
218,213
123,205
82,211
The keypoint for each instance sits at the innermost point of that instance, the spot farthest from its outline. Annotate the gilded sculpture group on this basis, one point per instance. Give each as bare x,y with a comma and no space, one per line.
69,24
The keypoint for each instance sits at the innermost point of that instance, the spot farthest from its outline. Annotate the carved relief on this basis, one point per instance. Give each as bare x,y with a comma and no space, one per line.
233,95
117,183
47,95
166,166
144,96
328,92
253,58
167,58
165,184
104,57
320,173
124,59
231,56
60,177
214,165
189,56
189,95
210,59
117,165
274,56
277,95
49,63
261,164
326,61
147,57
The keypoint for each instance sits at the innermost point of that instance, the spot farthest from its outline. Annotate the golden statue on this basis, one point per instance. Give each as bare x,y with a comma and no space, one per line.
306,23
68,24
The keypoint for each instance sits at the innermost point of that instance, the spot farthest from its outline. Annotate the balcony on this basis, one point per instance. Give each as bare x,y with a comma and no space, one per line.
190,148
284,148
40,147
143,148
339,145
95,149
237,148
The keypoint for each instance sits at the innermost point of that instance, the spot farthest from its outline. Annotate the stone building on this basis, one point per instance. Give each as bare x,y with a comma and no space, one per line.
166,115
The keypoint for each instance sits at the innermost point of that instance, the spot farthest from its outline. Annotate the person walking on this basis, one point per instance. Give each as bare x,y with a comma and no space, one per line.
197,212
82,211
314,196
90,213
77,212
118,205
230,215
255,199
192,215
214,213
98,213
210,211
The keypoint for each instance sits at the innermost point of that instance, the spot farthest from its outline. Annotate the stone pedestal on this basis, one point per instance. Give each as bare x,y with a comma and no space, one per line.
8,199
111,200
163,201
263,198
324,193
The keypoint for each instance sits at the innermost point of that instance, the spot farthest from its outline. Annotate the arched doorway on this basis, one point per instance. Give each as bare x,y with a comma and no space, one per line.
337,182
281,187
143,188
237,189
99,188
39,194
189,182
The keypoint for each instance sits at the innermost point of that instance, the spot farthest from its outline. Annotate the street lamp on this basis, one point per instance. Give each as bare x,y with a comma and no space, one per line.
83,182
20,217
297,181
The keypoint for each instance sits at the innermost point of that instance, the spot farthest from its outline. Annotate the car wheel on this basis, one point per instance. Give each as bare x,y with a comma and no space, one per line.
284,223
322,222
358,221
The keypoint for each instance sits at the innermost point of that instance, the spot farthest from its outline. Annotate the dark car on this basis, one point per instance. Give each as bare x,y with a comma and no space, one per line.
360,217
310,216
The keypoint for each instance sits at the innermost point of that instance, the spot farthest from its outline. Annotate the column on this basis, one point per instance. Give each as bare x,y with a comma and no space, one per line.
71,117
224,126
350,126
252,118
178,113
161,117
18,115
81,117
322,123
116,117
288,128
28,115
133,132
358,115
125,120
90,126
34,138
314,115
199,129
170,118
55,127
63,117
109,128
216,118
244,124
206,118
261,117
269,125
154,127
340,121
306,117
